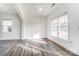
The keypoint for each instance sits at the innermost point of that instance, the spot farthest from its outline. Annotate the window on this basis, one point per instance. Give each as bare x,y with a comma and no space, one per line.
54,27
63,27
59,27
7,26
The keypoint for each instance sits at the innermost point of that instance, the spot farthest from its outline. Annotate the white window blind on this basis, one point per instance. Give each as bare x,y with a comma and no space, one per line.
59,27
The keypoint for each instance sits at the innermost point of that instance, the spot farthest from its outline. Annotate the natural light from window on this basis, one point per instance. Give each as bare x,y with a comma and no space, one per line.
7,26
37,38
59,27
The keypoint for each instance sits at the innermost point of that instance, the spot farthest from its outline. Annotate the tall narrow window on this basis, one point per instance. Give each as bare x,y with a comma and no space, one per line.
63,27
59,27
7,25
54,28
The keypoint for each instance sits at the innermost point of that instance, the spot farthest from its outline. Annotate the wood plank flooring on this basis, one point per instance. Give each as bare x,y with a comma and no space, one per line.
30,48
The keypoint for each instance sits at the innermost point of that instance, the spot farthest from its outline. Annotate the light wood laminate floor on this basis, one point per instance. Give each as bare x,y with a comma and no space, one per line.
44,47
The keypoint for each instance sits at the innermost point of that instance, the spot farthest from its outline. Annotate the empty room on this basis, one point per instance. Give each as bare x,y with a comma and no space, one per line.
39,29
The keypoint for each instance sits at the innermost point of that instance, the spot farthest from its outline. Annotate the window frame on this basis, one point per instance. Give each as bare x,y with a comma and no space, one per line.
7,25
64,14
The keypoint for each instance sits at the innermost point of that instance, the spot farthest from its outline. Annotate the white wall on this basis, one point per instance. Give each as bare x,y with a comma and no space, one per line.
15,34
73,18
33,25
74,26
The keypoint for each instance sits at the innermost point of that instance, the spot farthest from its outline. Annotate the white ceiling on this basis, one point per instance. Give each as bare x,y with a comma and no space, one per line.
6,8
32,8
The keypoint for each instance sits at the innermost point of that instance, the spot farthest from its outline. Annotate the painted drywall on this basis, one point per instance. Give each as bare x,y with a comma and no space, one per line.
33,25
73,20
74,26
16,29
